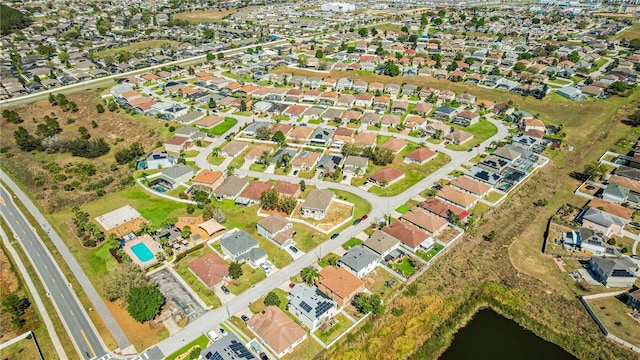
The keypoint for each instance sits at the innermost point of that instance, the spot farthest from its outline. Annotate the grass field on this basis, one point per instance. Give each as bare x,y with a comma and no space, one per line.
412,173
631,33
613,315
482,130
361,206
23,349
342,324
204,16
223,127
201,341
258,306
351,243
135,47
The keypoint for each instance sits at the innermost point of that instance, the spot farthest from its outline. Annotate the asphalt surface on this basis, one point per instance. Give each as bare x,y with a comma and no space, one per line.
85,337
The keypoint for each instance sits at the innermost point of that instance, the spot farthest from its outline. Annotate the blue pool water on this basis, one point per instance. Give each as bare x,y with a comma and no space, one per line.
160,189
142,252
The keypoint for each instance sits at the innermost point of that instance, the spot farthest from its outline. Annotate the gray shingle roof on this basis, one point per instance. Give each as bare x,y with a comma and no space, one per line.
238,242
358,258
318,199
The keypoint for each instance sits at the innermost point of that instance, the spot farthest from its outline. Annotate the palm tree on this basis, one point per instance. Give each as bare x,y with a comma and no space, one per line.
215,152
230,170
310,275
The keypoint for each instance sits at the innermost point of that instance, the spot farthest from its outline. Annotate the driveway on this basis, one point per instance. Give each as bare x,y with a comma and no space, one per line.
296,255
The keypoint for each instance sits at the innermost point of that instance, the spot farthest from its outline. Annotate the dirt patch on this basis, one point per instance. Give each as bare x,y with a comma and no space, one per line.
36,170
205,16
141,335
8,280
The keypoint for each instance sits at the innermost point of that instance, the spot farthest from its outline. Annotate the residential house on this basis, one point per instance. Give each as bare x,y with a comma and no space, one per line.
364,100
381,243
285,188
234,148
277,330
251,195
355,165
457,197
458,137
177,144
424,220
301,133
466,99
224,348
321,136
230,187
329,162
156,160
466,118
634,300
365,139
295,111
210,269
359,260
339,284
399,107
343,135
209,122
415,122
173,177
602,221
311,306
381,103
392,89
257,152
387,176
305,160
277,229
443,209
422,109
390,120
409,235
370,118
285,129
614,272
207,180
445,112
420,156
316,204
471,186
395,145
241,247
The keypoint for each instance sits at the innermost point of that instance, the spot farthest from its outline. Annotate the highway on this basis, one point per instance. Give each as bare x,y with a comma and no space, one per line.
85,337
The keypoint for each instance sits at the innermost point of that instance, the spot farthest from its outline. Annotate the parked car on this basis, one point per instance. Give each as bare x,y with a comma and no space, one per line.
265,268
357,221
213,336
334,236
222,331
364,217
446,143
244,318
225,290
320,176
263,356
293,249
295,172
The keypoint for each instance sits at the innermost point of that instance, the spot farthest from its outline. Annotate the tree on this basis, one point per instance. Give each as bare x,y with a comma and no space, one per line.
287,204
212,104
437,21
363,32
200,197
272,299
24,140
362,303
593,170
302,61
634,119
519,67
391,69
491,236
211,212
310,275
542,202
122,279
269,199
230,170
319,54
469,60
618,87
263,133
573,57
12,116
186,232
303,185
243,106
144,303
635,44
99,108
235,270
279,138
210,56
112,106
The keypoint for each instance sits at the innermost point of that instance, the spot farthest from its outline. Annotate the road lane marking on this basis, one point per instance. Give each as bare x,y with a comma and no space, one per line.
2,201
70,311
46,267
87,340
38,254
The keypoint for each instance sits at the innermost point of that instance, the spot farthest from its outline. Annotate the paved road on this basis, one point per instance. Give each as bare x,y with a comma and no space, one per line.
85,337
98,304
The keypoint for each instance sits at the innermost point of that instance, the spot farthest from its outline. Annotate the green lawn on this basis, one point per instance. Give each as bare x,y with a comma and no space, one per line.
249,277
201,341
307,239
428,255
182,268
351,243
258,167
315,121
237,322
325,260
258,306
479,209
381,139
412,173
493,196
221,128
405,267
403,209
216,160
307,349
482,130
342,324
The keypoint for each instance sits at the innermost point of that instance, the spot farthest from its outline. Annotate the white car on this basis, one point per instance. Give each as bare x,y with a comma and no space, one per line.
213,336
264,267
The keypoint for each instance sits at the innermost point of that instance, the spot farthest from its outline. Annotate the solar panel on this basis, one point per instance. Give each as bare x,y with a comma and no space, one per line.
306,307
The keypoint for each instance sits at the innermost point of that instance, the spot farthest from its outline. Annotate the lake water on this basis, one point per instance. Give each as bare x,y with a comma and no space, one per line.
491,336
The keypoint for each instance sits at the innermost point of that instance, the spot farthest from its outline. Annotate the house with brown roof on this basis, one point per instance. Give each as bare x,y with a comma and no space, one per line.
277,229
409,235
471,186
370,118
210,269
230,187
457,197
381,243
294,95
466,118
422,109
207,180
285,188
255,153
420,156
177,144
317,203
381,103
209,122
424,220
251,195
390,120
233,148
305,160
365,139
364,100
282,127
339,284
277,330
458,137
387,176
295,111
395,145
415,122
301,133
343,134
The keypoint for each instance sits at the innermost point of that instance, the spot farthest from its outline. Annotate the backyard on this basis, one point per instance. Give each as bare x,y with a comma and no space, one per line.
221,128
405,267
613,315
258,306
249,277
428,255
351,243
340,326
201,341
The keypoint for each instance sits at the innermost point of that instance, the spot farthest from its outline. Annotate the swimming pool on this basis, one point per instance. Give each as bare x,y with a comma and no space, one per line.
142,252
160,189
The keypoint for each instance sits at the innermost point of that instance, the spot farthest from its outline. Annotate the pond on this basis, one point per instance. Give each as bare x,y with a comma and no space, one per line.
491,336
